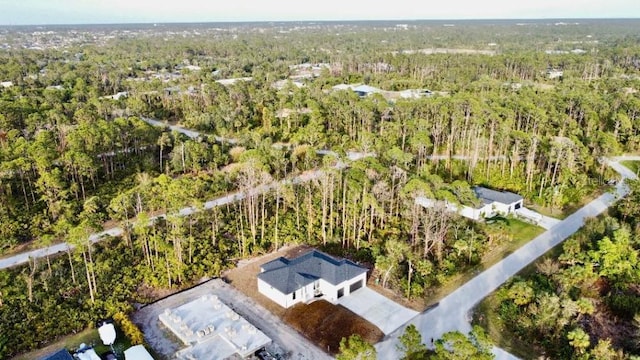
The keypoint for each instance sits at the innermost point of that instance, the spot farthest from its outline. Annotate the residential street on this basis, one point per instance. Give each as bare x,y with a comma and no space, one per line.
452,313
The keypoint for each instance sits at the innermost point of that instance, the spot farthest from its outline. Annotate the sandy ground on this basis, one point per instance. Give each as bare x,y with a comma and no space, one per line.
286,341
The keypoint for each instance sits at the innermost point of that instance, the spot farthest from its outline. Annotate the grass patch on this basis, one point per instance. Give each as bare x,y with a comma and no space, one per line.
631,165
88,336
70,342
326,324
486,315
517,233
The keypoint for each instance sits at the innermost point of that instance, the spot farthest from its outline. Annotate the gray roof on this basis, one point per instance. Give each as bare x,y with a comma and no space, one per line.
488,196
290,275
61,354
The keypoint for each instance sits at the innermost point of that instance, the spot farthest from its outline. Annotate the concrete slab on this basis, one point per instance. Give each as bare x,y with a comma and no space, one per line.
207,324
382,312
548,222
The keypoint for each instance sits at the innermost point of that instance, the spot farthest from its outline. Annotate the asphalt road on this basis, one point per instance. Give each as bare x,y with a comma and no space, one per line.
453,312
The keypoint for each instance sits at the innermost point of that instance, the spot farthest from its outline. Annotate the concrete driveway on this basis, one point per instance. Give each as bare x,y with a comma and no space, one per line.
382,312
545,222
548,222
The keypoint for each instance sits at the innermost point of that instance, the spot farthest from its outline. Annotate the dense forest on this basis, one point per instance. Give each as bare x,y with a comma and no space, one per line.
76,158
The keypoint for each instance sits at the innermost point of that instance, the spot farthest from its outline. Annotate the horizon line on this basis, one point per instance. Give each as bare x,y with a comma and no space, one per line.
317,20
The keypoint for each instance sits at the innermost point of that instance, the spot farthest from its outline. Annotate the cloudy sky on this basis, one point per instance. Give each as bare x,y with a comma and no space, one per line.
15,12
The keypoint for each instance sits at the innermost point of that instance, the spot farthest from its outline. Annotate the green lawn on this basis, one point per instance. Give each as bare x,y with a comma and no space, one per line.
520,233
88,336
632,165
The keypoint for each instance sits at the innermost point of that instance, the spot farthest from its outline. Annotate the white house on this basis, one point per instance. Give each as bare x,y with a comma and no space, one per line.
554,73
360,89
497,202
492,203
314,275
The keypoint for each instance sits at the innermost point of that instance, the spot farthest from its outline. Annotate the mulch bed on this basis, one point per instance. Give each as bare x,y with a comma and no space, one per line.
326,324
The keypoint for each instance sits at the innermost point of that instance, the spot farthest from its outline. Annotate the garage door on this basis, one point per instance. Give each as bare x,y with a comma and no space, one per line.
355,286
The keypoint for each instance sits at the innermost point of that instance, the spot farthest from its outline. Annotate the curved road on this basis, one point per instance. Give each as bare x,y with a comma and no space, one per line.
453,312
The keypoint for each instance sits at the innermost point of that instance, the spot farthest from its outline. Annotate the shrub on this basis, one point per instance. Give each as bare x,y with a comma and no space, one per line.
129,329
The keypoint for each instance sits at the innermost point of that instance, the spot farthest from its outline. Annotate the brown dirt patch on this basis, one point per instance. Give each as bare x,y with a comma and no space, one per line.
326,324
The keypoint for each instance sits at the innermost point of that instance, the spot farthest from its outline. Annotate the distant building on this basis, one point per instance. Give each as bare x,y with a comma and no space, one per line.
314,275
365,90
281,84
359,89
342,87
233,80
554,73
497,202
193,68
117,96
492,203
415,93
173,90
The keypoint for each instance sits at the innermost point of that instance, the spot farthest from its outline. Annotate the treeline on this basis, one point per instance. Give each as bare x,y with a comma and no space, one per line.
334,212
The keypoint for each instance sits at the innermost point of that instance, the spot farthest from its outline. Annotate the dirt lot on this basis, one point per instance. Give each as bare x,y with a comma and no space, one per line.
321,322
326,324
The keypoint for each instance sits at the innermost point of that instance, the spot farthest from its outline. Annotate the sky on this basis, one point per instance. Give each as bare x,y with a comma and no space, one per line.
31,12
